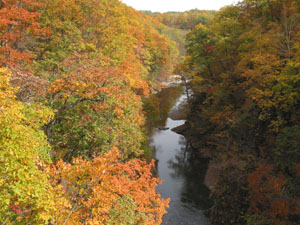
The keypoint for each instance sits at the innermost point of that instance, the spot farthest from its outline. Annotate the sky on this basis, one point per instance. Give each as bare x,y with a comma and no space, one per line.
176,5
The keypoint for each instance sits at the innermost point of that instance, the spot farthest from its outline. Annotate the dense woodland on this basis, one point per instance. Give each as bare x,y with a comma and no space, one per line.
245,65
75,76
72,77
179,23
183,20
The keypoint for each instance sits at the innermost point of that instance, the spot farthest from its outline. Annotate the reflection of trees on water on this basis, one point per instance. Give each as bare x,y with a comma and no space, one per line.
190,166
155,168
186,164
158,106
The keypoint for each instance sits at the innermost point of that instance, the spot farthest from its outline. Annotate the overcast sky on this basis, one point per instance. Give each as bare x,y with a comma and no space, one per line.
176,5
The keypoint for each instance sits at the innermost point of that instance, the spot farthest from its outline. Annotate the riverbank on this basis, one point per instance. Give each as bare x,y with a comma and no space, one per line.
225,175
214,166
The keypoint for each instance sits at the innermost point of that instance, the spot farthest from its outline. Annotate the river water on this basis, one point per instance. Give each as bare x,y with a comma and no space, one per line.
181,169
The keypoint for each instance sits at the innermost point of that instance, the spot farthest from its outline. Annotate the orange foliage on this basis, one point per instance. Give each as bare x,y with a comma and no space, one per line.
86,79
18,21
267,196
94,187
92,70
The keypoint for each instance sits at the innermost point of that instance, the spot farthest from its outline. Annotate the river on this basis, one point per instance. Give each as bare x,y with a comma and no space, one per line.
181,169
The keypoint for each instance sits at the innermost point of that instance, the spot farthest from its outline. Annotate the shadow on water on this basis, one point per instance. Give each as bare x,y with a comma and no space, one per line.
180,168
192,168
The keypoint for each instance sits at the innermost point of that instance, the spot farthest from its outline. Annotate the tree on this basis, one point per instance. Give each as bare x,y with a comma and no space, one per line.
247,103
107,191
19,23
96,109
25,192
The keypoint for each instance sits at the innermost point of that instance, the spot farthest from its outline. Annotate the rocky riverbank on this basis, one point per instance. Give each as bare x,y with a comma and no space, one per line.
224,176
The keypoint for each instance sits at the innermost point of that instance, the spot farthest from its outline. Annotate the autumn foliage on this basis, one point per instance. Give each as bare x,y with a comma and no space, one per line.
70,96
19,22
245,68
184,20
106,191
86,192
25,193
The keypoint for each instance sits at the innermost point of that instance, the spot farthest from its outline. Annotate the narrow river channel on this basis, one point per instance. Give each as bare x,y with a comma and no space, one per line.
181,169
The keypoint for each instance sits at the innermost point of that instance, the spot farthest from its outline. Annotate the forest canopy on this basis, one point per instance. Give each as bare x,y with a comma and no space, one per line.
75,76
72,77
245,68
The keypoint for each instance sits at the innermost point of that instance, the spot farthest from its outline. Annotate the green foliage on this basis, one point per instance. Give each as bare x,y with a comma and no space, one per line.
124,212
90,129
25,192
287,152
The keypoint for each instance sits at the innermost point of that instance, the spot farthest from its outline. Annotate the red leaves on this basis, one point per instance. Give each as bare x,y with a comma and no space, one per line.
209,48
16,209
267,196
280,207
18,19
211,90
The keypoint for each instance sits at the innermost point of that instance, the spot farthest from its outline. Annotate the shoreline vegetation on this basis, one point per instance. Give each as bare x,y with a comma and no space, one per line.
245,110
75,85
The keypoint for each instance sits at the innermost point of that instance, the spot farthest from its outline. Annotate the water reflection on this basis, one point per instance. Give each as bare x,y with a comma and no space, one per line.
191,167
183,174
157,107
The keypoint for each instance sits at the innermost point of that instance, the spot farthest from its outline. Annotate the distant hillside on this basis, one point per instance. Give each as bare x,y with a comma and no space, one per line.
183,20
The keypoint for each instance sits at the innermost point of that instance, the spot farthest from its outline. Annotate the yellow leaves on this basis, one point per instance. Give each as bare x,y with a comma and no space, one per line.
29,114
217,117
24,150
7,92
83,31
132,82
90,47
262,97
275,125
